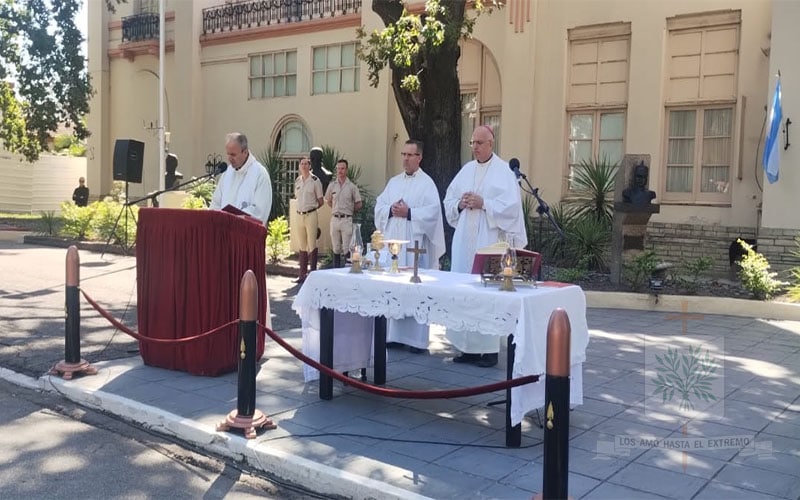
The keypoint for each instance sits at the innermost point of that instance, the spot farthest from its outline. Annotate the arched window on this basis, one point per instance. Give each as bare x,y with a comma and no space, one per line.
481,94
292,141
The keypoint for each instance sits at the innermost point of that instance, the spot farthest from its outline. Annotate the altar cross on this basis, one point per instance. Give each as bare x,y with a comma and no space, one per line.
416,251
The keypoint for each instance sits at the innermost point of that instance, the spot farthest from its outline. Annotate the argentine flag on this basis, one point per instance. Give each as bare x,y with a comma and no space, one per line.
772,143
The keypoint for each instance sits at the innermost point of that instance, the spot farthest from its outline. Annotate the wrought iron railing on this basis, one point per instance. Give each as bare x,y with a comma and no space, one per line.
244,15
140,27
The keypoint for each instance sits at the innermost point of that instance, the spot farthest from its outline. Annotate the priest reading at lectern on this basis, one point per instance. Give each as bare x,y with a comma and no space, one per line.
246,185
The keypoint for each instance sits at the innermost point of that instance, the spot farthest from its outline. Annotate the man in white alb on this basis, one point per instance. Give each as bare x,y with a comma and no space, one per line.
409,209
483,204
246,185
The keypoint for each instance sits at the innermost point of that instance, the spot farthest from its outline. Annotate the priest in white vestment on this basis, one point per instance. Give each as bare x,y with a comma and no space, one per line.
484,205
246,184
409,209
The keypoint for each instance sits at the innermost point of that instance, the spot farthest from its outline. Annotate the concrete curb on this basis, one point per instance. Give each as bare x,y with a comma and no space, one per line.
696,304
309,474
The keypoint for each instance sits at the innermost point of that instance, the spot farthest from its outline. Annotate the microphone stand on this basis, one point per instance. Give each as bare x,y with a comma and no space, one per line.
542,209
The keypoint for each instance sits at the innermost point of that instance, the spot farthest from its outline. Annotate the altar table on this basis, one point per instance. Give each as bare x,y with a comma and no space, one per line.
454,300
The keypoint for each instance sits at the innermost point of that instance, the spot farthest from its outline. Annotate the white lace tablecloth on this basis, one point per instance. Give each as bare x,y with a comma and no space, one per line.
454,300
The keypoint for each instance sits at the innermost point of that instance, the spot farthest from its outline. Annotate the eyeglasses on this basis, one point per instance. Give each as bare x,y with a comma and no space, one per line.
477,143
409,154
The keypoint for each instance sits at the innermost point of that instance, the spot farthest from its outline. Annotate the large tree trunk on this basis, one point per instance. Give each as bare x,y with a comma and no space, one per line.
433,113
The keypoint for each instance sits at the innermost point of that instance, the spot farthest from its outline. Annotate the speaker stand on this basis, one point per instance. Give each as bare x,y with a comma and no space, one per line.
126,210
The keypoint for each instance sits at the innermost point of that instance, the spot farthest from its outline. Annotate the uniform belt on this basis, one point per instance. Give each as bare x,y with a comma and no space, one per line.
342,216
307,211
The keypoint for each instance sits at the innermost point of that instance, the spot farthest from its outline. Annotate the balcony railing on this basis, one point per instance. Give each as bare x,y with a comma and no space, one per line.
244,15
140,27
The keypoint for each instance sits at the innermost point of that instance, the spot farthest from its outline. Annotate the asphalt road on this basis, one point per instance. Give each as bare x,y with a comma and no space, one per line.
53,448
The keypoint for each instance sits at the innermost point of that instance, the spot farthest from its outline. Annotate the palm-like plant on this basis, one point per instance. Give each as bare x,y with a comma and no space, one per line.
272,159
593,183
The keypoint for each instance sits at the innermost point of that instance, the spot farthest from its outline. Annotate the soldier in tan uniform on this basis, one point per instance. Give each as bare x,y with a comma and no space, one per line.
345,200
308,193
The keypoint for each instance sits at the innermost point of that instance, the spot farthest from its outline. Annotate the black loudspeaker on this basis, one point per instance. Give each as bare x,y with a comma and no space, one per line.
128,158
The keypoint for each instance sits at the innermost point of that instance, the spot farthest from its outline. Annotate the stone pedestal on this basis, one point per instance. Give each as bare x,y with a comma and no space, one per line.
630,219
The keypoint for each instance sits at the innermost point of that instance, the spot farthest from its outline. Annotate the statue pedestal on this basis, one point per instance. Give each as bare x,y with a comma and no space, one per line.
627,234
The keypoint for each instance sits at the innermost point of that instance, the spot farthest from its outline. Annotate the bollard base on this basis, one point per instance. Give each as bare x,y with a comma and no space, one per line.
247,424
67,369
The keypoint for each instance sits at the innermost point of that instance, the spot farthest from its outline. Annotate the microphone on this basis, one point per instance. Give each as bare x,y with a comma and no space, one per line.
513,164
220,168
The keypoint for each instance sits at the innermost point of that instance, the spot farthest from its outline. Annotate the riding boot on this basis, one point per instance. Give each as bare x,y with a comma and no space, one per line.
314,257
337,260
303,267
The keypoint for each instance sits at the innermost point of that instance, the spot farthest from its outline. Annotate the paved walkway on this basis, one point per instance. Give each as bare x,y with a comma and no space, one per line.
743,440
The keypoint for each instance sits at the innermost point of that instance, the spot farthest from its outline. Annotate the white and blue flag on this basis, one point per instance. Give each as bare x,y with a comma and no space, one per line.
771,147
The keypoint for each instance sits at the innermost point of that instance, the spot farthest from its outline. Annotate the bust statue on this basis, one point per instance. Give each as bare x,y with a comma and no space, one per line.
637,193
315,156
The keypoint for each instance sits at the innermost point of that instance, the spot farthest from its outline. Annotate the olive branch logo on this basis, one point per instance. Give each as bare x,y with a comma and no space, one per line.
690,375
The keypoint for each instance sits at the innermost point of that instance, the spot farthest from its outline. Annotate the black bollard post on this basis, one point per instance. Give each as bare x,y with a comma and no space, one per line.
246,416
72,323
556,399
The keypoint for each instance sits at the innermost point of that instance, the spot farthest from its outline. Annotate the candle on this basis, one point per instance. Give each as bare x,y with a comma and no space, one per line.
507,271
356,254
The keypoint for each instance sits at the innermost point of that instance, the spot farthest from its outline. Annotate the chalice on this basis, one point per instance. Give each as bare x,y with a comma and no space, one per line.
394,249
377,245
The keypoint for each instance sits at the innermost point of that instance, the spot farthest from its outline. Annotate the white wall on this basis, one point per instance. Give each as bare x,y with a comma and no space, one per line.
780,199
44,185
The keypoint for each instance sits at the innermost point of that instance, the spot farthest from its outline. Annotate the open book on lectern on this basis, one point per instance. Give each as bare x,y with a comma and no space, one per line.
237,211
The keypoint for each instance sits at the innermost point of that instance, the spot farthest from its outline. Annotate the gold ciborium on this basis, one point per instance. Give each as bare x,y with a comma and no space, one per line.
394,249
377,245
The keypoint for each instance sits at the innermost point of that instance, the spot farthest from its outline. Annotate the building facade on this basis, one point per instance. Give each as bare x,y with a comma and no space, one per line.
560,81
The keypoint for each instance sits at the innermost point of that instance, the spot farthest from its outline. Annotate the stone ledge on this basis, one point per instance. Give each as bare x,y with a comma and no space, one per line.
693,304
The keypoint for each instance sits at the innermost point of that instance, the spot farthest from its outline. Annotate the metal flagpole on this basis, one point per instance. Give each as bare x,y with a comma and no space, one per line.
161,129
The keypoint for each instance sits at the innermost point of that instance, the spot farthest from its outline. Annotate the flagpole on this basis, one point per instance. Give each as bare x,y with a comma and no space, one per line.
161,129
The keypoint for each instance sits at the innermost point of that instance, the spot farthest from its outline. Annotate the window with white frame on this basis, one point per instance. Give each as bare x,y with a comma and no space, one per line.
699,137
703,53
597,94
335,69
595,135
273,74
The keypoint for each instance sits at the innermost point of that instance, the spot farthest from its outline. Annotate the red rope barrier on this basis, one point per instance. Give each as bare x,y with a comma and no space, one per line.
142,338
401,393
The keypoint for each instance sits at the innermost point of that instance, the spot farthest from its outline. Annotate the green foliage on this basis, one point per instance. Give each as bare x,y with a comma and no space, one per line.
694,268
49,223
755,274
109,214
282,182
194,202
590,238
528,209
637,271
593,186
278,240
573,274
329,157
204,191
794,287
77,220
62,141
40,52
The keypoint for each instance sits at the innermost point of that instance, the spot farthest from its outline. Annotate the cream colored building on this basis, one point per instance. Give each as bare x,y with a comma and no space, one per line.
683,81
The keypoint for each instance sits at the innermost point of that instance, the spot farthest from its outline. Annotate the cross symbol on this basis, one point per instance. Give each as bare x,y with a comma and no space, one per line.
684,316
416,251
